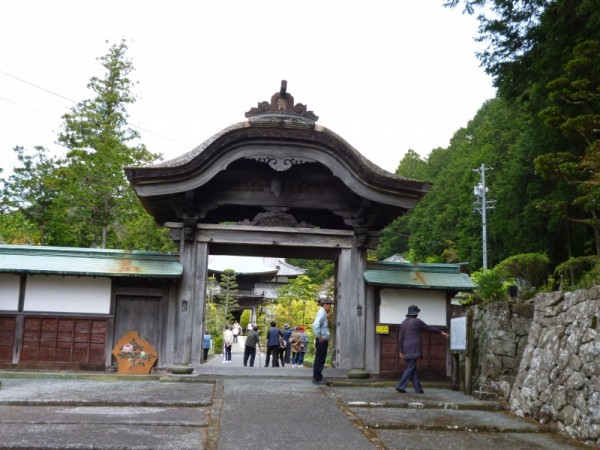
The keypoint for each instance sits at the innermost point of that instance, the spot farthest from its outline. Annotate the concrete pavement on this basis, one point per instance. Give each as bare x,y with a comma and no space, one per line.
228,406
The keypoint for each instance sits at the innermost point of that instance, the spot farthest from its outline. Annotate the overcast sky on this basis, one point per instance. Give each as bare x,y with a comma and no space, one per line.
386,75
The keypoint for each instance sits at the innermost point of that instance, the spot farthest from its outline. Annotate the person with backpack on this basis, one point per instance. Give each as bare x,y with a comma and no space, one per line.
295,345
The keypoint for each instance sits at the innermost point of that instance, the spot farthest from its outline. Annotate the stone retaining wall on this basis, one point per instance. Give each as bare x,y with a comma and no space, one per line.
543,358
500,333
559,376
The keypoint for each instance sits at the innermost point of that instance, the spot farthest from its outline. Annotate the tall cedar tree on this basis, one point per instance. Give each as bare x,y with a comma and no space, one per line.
96,206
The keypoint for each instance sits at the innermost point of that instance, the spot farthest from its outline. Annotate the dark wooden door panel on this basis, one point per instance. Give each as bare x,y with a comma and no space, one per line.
431,366
139,314
64,340
8,325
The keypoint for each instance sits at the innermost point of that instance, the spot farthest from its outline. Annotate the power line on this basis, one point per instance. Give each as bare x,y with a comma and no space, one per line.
36,86
73,101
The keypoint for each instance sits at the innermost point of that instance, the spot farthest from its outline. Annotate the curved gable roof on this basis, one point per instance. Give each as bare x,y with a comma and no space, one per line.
291,145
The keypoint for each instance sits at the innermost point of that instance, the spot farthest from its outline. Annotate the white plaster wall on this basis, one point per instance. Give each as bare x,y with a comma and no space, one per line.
395,303
9,292
85,295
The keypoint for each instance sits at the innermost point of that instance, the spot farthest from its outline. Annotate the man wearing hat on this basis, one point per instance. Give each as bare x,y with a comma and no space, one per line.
320,327
409,345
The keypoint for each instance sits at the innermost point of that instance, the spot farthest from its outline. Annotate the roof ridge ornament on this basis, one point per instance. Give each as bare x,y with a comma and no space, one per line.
282,104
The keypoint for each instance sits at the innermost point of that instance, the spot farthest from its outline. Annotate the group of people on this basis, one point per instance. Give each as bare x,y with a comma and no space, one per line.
290,345
286,346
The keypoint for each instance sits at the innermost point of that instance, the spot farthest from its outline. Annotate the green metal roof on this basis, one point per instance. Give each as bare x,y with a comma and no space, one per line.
419,276
88,262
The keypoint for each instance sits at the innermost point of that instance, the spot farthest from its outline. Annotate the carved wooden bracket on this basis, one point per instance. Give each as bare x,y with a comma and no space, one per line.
280,164
275,219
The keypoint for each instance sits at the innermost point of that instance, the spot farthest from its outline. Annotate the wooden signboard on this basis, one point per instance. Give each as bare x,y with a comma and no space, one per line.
460,344
134,354
458,334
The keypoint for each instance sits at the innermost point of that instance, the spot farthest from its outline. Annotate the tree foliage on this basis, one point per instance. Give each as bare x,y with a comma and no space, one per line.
538,138
300,288
532,268
98,138
227,298
28,194
318,270
579,273
574,108
296,301
84,199
491,286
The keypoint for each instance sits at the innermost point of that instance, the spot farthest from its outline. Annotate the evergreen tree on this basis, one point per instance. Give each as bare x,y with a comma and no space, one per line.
28,194
96,205
227,297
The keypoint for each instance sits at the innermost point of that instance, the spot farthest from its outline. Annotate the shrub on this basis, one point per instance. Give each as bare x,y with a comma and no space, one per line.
532,269
491,286
582,272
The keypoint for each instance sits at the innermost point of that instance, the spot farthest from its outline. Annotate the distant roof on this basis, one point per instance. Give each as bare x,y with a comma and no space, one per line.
253,265
88,262
419,276
395,258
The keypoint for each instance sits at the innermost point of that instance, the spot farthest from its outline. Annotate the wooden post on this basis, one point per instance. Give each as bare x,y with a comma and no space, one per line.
185,302
469,354
455,371
199,302
351,309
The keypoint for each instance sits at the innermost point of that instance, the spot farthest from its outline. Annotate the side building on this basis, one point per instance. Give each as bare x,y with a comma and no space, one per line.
65,308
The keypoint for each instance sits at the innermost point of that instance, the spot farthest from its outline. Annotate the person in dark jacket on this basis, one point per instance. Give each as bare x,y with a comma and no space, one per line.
252,342
287,333
273,344
409,345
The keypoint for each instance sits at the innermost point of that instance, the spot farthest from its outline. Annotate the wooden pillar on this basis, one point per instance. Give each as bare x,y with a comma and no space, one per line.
372,341
186,300
199,301
351,309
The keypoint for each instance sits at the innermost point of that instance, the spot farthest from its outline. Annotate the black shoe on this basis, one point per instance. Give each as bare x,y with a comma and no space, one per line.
319,382
420,392
401,391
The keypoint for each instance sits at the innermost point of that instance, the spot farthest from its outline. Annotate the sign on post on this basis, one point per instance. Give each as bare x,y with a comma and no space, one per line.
458,334
459,344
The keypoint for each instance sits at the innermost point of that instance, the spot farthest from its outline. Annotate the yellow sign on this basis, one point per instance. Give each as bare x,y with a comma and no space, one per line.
382,329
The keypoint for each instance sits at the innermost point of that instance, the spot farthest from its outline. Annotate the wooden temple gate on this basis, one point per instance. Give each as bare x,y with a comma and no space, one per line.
275,185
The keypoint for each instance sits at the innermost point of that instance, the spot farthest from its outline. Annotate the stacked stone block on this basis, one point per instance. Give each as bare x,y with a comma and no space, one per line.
559,375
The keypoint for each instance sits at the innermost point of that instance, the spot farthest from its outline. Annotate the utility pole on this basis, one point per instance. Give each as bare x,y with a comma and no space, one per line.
481,206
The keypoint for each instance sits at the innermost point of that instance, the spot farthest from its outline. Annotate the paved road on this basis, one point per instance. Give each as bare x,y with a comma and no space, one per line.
227,406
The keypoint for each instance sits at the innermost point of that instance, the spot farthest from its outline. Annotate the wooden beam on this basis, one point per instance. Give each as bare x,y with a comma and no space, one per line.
269,236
